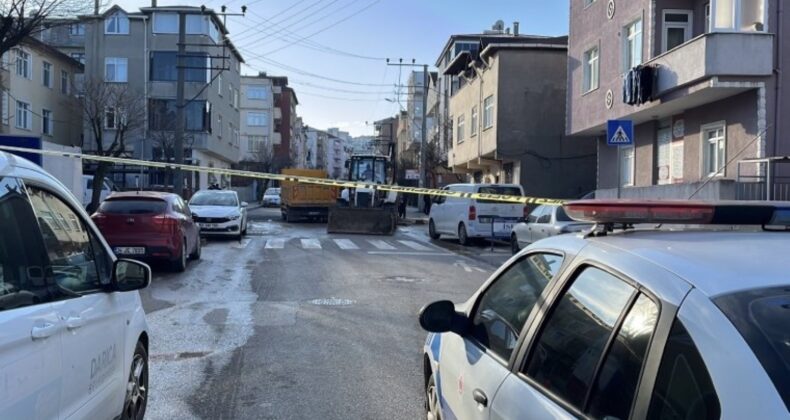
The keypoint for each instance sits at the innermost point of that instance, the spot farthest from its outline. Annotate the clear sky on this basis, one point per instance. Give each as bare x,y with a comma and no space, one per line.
290,38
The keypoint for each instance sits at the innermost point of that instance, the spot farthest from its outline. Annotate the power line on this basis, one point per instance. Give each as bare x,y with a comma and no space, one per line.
251,28
302,19
304,72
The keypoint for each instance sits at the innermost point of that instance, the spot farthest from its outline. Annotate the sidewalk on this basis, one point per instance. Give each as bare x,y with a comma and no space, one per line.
414,217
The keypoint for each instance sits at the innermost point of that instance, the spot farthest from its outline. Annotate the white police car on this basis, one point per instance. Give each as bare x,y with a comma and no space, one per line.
73,335
655,324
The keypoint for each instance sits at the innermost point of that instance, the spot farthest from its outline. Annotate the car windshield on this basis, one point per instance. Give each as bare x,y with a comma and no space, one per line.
562,216
497,189
214,199
133,206
762,317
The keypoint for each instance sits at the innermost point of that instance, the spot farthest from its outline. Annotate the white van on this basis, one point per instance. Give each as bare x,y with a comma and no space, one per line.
468,218
87,192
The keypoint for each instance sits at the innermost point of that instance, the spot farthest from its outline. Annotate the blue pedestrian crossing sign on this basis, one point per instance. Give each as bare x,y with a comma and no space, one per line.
619,132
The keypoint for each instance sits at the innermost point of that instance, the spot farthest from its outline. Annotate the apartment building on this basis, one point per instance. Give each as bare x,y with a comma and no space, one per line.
508,117
137,52
285,102
257,119
386,134
710,124
38,94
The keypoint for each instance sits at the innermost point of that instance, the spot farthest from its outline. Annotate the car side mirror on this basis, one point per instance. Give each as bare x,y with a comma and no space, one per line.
244,204
440,316
128,275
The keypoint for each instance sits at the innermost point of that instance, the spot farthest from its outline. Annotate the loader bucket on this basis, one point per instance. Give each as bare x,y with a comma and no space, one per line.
365,221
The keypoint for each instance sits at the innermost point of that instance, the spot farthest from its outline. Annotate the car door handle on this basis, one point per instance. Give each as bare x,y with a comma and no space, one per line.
480,397
74,322
43,331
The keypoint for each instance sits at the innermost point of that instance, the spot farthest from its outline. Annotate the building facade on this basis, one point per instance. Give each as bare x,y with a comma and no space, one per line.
508,118
257,120
137,52
285,125
710,123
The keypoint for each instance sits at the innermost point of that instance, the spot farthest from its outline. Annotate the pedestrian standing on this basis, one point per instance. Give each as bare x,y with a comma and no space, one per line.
402,206
426,200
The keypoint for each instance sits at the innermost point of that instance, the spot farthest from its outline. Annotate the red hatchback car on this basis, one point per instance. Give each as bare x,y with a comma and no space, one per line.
149,226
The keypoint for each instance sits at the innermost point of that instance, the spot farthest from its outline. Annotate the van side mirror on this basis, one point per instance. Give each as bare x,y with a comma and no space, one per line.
441,316
128,275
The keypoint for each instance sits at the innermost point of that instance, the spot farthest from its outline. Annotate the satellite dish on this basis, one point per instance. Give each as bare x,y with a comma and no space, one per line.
499,25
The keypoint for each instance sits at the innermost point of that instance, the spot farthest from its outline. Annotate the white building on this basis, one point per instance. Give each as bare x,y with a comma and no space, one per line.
257,99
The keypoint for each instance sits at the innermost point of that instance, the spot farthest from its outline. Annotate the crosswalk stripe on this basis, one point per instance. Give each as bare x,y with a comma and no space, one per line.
380,244
276,243
346,244
415,246
311,244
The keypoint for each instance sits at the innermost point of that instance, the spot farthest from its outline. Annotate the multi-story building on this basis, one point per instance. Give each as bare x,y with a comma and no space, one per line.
257,121
415,96
285,126
386,135
66,35
137,52
508,118
38,94
710,124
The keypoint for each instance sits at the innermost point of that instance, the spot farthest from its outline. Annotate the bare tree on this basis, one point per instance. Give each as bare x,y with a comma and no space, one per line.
112,112
22,18
165,140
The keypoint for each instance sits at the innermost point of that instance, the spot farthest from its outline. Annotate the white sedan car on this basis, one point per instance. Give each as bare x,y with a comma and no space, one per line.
219,212
73,334
271,198
637,324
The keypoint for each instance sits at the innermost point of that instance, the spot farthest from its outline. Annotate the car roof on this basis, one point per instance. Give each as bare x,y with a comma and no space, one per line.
716,262
141,194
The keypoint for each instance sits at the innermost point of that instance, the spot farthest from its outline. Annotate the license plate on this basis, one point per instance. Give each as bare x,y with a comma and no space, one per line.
209,225
503,228
129,250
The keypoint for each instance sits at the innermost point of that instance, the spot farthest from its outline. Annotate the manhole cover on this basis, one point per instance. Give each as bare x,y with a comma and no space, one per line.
401,279
333,302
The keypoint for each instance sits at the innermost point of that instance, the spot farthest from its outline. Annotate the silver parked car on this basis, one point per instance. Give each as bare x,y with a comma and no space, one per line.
271,198
543,222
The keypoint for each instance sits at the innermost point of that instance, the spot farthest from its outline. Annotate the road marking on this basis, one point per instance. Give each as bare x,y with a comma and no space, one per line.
380,244
427,254
468,268
277,243
346,244
415,245
243,244
311,243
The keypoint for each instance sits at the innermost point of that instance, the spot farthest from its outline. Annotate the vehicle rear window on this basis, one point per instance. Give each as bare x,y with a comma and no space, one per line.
498,190
762,316
132,206
562,216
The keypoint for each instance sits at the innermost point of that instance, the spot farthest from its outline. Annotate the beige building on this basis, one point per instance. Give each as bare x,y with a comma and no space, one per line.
257,100
37,96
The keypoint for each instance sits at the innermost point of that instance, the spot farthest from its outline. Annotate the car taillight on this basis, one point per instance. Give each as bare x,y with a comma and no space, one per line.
166,222
472,213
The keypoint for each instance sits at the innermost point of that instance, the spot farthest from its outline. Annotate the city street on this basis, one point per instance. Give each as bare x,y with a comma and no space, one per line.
295,323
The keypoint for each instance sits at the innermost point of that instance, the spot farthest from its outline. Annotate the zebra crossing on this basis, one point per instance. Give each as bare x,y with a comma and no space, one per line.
375,246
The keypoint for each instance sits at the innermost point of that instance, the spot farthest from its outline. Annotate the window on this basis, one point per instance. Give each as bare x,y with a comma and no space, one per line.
46,74
235,101
626,165
257,119
69,246
505,306
473,128
116,24
535,214
164,67
707,18
23,115
257,93
714,143
162,115
115,69
213,31
110,118
683,388
165,23
460,131
590,70
619,373
64,82
46,122
738,15
78,56
545,217
574,336
22,255
676,28
77,29
488,112
24,65
632,45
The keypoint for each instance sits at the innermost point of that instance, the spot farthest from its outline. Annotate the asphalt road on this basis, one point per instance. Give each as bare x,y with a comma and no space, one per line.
293,323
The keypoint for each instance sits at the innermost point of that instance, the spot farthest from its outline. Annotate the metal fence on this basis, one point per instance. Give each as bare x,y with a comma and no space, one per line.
758,190
763,179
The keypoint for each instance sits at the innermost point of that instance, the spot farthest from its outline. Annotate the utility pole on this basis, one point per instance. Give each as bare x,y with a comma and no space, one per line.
178,178
423,134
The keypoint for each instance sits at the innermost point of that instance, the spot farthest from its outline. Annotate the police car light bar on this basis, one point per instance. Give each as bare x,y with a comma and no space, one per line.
764,213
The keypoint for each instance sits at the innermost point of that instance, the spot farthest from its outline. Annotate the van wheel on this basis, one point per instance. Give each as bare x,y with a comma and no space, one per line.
463,239
136,398
432,230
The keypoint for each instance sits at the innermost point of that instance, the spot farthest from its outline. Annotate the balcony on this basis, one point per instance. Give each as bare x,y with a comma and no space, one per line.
219,148
715,54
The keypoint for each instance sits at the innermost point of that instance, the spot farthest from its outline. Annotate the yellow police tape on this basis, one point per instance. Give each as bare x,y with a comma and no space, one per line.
291,178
